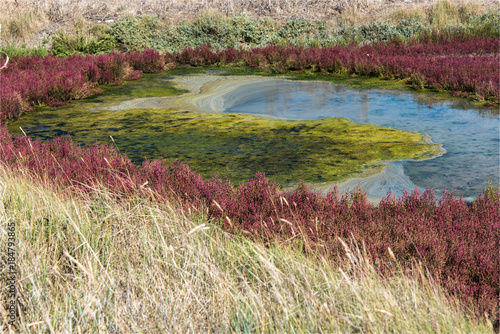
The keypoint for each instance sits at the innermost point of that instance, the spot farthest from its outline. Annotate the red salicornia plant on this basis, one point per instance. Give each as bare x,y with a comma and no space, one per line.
52,81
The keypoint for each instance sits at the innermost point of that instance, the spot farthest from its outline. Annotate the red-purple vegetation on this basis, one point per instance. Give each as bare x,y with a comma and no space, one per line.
462,65
148,61
457,242
34,80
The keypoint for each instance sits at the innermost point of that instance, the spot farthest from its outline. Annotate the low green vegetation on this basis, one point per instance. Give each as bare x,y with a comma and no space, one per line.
15,51
142,32
95,264
237,145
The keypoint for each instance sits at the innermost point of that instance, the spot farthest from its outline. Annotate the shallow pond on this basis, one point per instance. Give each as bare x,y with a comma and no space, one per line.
469,136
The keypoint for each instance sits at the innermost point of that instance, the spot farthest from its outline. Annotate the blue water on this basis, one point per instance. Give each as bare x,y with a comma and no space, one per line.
471,137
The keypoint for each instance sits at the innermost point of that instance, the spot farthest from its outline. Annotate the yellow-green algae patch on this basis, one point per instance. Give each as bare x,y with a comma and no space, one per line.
237,146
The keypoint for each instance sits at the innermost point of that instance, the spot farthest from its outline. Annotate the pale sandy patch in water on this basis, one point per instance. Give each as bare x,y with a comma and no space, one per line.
206,93
376,182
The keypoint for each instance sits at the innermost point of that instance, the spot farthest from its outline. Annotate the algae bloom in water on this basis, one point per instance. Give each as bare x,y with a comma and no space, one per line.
237,146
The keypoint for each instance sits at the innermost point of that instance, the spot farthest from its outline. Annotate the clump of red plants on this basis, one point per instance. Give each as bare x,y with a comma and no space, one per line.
455,240
32,81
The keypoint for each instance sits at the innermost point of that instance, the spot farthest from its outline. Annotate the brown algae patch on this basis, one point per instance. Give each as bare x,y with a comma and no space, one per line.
237,146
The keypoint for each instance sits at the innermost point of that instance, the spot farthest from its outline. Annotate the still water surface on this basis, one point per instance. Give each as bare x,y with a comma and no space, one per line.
469,136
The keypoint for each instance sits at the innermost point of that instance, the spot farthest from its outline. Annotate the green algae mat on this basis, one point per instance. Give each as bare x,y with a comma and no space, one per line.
237,146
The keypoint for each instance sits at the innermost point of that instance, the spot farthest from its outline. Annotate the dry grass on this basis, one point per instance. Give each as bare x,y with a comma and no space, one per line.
444,12
95,265
30,21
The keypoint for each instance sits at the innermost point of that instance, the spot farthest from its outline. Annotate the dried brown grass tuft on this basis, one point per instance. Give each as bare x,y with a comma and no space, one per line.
443,12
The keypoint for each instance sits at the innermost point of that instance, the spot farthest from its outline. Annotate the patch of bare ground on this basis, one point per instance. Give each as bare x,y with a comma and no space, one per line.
31,21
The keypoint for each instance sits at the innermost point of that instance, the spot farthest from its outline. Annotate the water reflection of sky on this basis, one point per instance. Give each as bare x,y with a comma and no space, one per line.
471,138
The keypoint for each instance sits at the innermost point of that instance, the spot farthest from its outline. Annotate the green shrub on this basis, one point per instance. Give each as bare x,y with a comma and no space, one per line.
381,31
141,32
407,29
250,31
83,41
487,25
206,29
221,33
